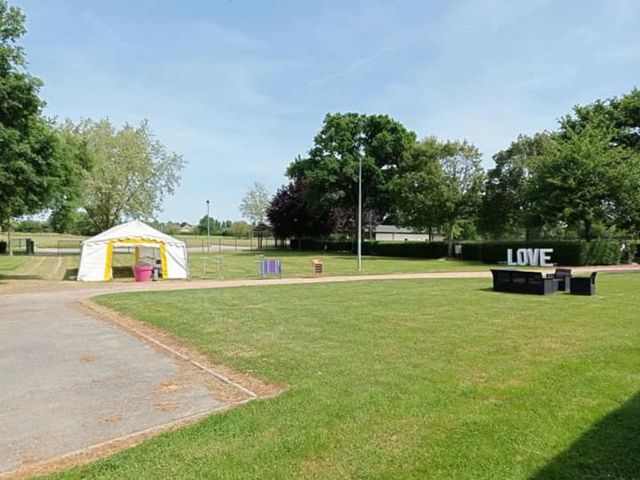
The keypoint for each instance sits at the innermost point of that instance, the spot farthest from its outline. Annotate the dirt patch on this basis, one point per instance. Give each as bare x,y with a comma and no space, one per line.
111,419
88,358
166,406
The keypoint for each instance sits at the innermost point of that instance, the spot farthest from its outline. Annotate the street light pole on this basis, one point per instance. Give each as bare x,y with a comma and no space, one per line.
360,214
208,228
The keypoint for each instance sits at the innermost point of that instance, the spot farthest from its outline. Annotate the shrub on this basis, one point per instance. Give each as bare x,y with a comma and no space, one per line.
573,253
631,252
386,249
570,253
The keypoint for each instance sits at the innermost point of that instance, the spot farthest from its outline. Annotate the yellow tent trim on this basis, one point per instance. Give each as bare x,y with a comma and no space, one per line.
163,259
135,241
109,262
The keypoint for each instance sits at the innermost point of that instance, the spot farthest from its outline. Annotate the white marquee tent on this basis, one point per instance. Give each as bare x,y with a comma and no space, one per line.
97,252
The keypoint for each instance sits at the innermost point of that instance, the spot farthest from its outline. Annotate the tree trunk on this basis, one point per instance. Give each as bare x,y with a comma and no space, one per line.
450,246
9,247
588,230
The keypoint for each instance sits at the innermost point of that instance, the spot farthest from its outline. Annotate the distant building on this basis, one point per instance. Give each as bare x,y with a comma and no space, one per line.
186,228
392,233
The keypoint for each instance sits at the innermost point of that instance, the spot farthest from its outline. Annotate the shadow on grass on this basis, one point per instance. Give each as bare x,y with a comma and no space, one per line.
610,449
70,274
20,277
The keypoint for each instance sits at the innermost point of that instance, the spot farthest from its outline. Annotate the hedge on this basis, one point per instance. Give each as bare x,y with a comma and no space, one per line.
572,253
631,252
383,249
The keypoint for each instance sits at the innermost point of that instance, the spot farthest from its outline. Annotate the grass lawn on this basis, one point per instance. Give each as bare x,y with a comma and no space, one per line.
46,240
298,264
22,267
235,265
405,379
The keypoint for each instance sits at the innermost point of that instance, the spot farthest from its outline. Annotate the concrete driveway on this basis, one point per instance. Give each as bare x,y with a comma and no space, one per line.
69,381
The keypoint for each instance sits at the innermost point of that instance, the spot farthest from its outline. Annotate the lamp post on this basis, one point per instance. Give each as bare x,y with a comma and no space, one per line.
208,228
360,213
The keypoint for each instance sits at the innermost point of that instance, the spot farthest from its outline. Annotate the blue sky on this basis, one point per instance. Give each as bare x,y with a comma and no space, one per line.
240,87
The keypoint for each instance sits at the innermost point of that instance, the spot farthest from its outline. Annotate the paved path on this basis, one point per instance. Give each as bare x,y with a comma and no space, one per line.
69,381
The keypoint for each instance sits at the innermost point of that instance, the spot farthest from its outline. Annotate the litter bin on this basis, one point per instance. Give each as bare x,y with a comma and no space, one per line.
3,247
29,246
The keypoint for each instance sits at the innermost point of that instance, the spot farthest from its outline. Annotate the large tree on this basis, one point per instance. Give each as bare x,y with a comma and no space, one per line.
331,167
587,177
70,190
418,188
31,168
131,174
582,179
255,203
290,216
506,207
439,185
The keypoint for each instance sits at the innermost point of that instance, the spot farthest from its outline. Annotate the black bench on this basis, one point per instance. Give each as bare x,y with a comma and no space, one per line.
516,281
561,275
583,285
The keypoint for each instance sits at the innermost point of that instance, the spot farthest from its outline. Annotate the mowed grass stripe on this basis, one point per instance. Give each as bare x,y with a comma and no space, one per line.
404,379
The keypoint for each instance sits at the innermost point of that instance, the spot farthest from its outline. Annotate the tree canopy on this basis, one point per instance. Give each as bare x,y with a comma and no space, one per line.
33,167
290,216
331,167
255,203
131,172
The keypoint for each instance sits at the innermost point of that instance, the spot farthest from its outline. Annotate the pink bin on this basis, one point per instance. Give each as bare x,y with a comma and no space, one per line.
142,273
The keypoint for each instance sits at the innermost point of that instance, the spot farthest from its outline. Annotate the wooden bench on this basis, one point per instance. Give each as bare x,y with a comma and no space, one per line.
516,281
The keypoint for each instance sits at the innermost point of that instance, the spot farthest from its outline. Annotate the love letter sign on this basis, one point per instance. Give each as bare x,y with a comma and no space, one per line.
536,257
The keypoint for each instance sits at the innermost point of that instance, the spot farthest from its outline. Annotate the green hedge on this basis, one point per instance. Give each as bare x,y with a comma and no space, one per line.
383,249
631,253
572,253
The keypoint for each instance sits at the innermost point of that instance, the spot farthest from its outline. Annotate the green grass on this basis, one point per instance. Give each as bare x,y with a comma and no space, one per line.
298,264
46,240
238,265
404,380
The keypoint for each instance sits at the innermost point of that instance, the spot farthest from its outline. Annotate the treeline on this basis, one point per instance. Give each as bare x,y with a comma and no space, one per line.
581,181
90,175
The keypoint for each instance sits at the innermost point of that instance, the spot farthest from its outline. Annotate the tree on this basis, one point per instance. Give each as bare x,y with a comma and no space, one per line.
587,177
331,167
463,185
215,226
255,203
132,172
579,180
290,216
418,189
439,185
69,192
505,209
239,229
30,168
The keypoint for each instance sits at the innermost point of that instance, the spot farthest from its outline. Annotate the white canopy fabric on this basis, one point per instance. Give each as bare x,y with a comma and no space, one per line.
96,257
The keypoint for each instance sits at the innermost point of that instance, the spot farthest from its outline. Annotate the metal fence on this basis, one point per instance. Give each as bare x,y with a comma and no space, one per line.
235,244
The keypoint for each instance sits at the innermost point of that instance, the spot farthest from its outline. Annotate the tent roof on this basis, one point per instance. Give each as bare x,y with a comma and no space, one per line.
134,229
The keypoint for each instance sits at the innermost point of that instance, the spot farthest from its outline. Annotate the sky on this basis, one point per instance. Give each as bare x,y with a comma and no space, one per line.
241,87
